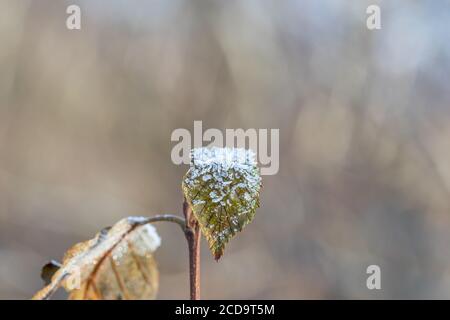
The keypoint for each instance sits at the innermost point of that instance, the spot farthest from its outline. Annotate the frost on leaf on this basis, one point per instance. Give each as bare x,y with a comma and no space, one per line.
222,187
117,264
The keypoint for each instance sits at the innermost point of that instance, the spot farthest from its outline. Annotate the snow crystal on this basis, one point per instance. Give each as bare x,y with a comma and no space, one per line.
226,157
224,165
150,237
206,177
136,219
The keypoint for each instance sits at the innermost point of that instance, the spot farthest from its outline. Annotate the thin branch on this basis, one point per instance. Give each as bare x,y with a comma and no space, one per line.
192,234
167,217
191,230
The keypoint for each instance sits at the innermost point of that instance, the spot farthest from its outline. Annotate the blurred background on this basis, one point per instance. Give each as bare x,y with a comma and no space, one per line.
364,118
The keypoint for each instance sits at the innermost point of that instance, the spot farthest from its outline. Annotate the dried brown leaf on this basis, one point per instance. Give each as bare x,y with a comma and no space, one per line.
117,264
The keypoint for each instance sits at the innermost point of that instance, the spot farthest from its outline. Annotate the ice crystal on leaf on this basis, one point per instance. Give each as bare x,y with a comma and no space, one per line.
222,187
116,264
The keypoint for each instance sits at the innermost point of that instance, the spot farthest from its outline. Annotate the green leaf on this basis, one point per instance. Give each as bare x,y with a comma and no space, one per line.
222,187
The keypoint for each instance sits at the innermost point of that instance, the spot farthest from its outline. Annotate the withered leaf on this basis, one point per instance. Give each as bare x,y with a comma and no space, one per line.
48,270
222,187
117,264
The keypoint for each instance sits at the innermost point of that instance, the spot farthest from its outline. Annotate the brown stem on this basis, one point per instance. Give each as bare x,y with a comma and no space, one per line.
192,234
191,230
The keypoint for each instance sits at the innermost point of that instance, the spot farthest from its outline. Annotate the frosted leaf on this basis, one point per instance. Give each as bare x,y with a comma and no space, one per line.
116,264
222,187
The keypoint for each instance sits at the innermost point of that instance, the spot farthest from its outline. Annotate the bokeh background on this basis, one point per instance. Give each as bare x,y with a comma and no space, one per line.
364,118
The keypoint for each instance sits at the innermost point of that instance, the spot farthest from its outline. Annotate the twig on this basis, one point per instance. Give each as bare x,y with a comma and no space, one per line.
191,230
192,234
167,217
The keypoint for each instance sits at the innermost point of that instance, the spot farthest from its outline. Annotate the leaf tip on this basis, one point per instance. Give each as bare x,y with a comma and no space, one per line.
217,255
